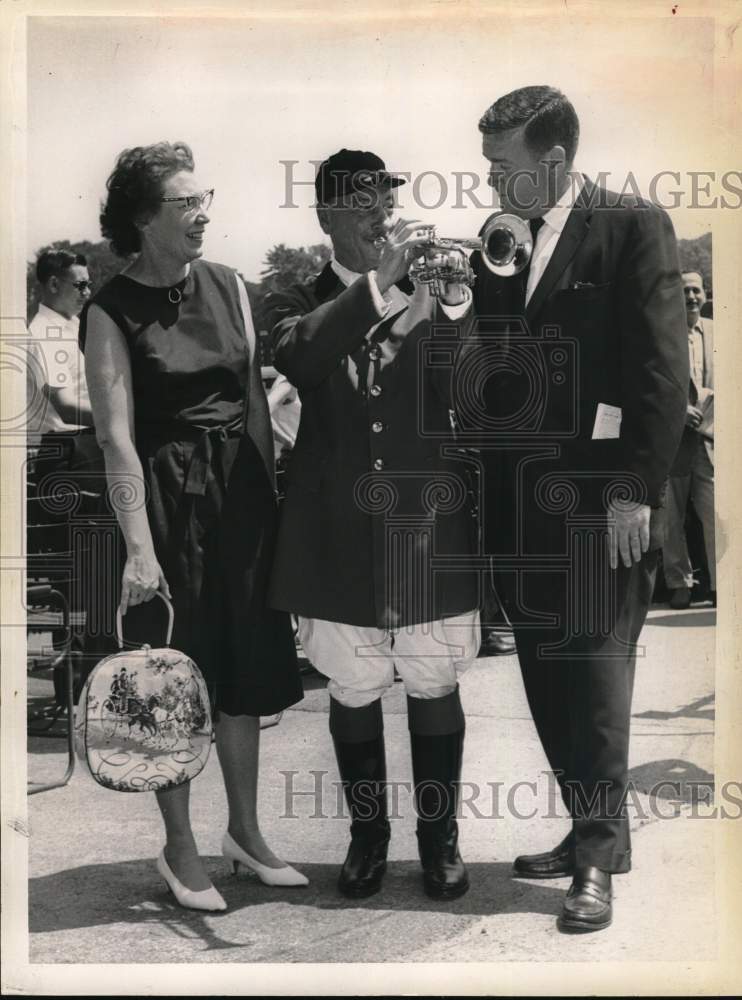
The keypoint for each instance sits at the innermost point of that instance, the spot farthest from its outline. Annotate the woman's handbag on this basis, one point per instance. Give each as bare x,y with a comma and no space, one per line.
143,719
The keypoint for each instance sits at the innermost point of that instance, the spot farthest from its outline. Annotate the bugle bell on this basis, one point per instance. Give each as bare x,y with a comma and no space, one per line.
506,246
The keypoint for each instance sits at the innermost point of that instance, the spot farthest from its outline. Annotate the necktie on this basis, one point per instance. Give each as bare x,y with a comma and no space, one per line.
534,225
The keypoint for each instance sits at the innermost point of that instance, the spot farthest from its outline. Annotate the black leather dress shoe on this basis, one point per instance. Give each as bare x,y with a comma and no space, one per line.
680,598
497,644
552,864
364,866
444,871
588,904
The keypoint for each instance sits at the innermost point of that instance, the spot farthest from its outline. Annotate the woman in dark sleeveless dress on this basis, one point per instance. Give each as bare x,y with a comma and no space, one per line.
181,415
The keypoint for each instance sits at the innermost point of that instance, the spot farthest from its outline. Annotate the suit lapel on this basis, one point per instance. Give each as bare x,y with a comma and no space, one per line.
572,235
328,285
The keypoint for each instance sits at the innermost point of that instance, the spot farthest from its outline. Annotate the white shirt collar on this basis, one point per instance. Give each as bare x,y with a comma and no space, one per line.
558,214
344,273
55,318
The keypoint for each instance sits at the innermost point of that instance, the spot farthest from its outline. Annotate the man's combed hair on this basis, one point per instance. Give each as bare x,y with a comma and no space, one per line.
135,190
547,115
54,263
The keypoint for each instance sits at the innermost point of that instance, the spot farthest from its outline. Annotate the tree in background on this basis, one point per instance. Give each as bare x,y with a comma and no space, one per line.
285,266
695,255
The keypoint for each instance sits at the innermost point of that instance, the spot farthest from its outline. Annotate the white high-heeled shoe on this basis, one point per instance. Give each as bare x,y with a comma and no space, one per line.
206,899
285,876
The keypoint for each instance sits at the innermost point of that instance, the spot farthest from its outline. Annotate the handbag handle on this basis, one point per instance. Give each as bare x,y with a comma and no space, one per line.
170,619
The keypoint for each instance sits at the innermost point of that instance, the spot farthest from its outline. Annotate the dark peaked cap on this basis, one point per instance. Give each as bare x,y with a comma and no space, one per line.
349,171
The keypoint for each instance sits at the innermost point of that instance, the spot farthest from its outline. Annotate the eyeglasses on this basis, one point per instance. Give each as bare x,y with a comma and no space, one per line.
82,285
195,201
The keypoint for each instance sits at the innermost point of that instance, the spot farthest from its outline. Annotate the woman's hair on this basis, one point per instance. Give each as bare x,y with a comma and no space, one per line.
135,189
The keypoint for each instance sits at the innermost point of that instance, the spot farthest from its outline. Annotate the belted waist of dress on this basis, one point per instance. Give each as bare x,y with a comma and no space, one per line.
205,439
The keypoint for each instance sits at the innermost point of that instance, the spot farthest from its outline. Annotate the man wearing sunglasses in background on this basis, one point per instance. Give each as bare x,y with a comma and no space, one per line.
63,451
58,397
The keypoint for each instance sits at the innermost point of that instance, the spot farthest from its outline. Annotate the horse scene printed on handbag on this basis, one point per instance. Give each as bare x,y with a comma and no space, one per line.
144,722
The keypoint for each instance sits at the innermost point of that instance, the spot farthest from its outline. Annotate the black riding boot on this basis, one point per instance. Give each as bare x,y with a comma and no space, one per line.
358,736
437,741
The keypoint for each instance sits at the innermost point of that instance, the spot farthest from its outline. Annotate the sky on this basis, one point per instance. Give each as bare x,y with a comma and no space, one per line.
250,93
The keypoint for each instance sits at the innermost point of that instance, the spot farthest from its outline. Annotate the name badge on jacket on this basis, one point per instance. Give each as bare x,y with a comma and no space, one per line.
607,422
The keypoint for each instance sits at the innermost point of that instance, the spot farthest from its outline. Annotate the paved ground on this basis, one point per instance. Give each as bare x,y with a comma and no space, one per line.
94,895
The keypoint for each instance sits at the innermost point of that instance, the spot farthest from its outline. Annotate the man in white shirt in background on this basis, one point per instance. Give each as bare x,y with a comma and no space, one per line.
61,439
692,475
58,397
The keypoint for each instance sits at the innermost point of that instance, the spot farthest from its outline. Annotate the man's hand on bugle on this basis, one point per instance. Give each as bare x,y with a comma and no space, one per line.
399,249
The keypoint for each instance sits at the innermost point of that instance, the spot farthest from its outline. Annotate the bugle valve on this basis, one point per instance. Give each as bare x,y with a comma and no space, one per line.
506,246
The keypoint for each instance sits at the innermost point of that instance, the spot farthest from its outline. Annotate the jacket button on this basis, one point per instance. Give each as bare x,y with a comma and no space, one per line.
377,427
378,464
375,390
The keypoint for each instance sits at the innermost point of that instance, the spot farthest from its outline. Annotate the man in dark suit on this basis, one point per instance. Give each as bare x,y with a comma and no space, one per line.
579,365
371,505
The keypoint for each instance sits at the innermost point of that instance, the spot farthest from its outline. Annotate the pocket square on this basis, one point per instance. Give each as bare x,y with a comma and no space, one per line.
578,285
